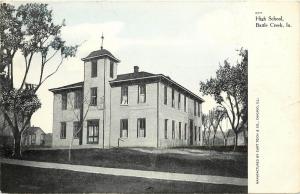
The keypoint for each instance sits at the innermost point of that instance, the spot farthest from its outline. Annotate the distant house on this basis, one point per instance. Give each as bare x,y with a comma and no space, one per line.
48,140
34,136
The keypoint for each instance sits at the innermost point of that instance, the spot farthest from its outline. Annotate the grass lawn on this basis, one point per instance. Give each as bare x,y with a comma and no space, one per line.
27,179
222,164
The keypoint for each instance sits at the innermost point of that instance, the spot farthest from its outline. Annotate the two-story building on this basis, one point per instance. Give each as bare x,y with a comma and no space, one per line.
137,109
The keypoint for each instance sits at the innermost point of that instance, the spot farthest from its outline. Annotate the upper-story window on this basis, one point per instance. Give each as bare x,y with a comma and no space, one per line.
179,100
64,101
198,109
93,96
141,127
142,93
94,69
195,107
124,95
184,103
111,69
77,100
165,95
173,97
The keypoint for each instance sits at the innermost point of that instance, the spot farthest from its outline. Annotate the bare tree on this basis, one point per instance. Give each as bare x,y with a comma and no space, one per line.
80,117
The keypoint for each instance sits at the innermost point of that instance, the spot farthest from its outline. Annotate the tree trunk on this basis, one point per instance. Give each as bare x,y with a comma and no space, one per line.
17,146
235,141
214,137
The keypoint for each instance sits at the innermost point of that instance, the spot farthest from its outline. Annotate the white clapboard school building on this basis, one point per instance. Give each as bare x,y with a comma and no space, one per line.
137,109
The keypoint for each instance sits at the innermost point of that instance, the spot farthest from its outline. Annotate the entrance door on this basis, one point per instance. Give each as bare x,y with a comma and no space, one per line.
191,131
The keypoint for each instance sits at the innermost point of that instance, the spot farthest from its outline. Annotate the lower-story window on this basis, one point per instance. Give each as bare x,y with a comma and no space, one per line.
92,131
141,127
185,126
195,133
124,128
199,133
166,128
179,130
63,130
173,129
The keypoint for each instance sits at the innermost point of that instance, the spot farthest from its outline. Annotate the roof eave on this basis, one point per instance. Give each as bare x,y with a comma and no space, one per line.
98,56
61,89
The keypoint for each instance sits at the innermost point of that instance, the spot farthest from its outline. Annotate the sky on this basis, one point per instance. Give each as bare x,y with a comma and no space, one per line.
184,40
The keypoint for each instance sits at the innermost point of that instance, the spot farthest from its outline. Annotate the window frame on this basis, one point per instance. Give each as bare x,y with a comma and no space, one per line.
139,120
93,98
122,128
122,91
94,68
95,128
166,95
184,103
140,86
179,100
111,69
76,124
179,130
173,129
195,112
166,129
63,130
33,140
64,101
173,97
77,99
185,129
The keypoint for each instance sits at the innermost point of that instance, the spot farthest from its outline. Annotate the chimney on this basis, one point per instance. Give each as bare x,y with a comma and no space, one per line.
136,69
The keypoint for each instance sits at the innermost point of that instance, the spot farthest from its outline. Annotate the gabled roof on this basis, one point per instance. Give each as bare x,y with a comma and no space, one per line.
127,76
100,53
133,78
33,130
67,87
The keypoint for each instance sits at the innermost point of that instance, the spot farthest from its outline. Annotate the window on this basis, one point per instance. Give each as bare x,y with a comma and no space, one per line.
173,98
166,128
63,130
33,139
179,130
94,69
76,128
199,129
124,128
124,95
184,103
194,107
77,100
185,126
179,100
195,133
111,72
198,109
165,95
173,129
141,127
142,93
92,131
42,142
64,101
93,97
